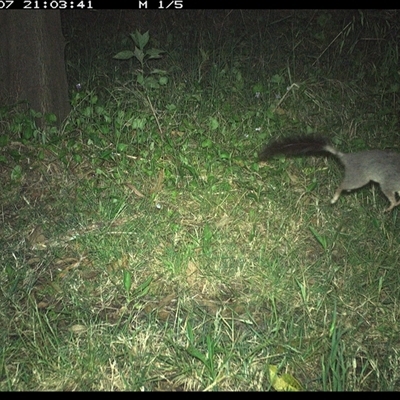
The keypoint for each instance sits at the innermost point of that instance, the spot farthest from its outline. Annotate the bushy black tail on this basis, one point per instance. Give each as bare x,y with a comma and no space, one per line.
302,145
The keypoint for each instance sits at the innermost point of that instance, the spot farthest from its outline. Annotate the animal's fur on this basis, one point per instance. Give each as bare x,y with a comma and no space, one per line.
380,166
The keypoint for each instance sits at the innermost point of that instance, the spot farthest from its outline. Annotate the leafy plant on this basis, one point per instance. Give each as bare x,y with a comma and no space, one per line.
151,79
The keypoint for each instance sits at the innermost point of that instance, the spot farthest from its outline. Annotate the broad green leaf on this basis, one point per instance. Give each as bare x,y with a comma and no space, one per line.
213,123
140,39
322,240
122,147
154,53
206,143
16,173
127,280
139,55
124,55
197,354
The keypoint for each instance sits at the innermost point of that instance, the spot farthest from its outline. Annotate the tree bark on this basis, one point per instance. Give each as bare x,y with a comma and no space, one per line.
32,67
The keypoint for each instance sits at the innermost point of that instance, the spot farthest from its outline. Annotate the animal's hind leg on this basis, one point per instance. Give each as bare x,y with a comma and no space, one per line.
350,182
392,198
336,195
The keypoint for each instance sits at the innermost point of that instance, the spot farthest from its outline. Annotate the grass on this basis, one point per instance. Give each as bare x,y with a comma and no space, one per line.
144,248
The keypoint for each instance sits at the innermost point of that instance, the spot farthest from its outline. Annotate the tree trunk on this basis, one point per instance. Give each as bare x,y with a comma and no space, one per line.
32,67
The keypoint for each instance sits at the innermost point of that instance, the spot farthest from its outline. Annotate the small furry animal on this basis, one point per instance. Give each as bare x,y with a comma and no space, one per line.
380,166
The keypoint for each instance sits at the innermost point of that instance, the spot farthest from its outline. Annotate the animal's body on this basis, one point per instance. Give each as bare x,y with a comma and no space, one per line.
380,166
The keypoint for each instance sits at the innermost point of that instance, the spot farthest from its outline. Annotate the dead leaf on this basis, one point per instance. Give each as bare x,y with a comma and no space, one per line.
36,238
42,304
192,273
78,328
159,184
134,190
283,382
